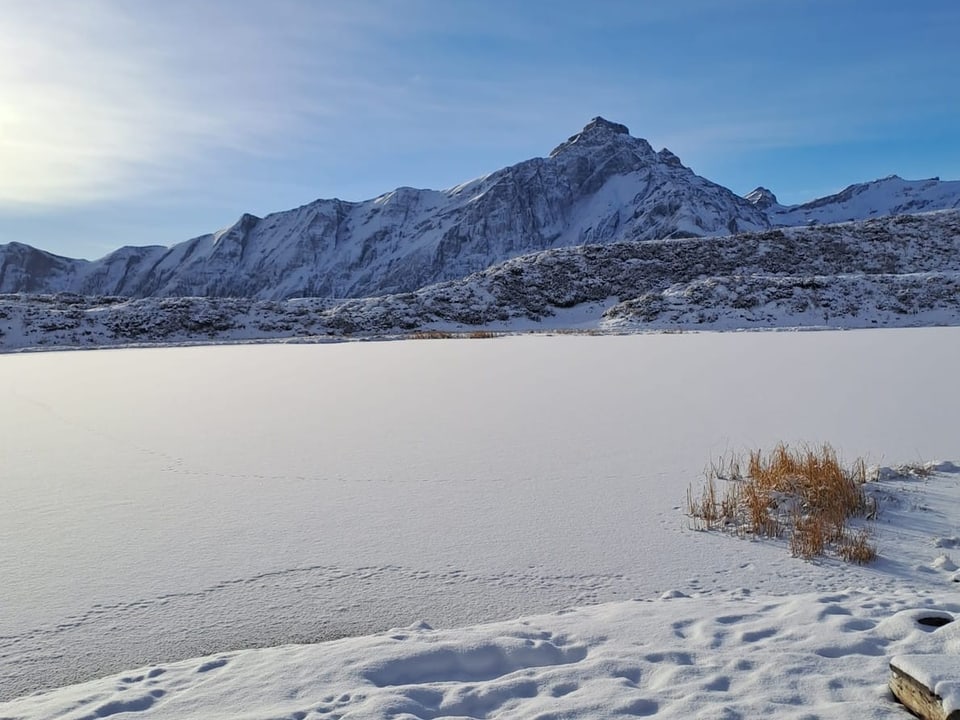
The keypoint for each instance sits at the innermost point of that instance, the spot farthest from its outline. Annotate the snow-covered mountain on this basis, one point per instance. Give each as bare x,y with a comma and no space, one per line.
888,196
599,186
888,272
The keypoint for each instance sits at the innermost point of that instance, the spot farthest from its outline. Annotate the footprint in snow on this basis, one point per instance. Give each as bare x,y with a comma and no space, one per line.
212,665
141,703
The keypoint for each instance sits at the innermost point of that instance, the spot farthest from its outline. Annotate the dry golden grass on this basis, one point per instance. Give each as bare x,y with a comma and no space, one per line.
759,520
482,334
808,537
710,511
857,548
574,331
431,335
806,492
705,510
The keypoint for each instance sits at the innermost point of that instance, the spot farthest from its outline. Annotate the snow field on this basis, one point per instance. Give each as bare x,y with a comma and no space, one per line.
165,504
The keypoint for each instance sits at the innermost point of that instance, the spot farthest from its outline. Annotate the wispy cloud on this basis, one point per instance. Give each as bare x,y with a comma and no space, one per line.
104,99
101,98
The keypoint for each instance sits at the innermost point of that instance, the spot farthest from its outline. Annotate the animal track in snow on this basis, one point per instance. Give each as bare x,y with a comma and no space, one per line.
307,606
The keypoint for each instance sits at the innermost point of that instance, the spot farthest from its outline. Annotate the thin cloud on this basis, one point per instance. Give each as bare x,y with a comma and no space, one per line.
98,102
105,99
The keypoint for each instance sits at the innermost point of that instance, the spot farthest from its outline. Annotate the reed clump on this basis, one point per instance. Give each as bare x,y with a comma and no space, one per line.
805,493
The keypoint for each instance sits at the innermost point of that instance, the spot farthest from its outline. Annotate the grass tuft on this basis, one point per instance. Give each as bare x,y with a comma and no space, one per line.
808,538
857,548
805,492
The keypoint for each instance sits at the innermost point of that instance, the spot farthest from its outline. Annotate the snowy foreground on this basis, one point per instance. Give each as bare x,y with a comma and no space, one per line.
733,656
186,502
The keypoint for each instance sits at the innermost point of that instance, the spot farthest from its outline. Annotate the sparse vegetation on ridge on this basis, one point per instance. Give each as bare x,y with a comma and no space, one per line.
445,335
431,335
888,272
805,493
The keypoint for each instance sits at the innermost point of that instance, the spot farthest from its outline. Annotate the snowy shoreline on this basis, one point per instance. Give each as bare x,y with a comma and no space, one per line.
735,656
888,272
441,331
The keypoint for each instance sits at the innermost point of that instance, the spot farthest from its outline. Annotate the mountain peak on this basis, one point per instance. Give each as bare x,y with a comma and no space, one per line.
761,198
668,158
598,131
601,124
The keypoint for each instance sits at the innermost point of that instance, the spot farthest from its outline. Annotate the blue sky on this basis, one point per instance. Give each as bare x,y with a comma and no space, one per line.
138,122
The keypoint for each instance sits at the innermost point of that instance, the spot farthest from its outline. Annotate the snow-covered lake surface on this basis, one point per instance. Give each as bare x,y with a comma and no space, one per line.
170,503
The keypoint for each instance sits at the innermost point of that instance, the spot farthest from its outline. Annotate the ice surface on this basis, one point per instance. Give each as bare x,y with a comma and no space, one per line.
163,504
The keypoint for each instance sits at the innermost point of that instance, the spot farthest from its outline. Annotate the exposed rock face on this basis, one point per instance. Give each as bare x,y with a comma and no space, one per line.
26,269
761,198
598,131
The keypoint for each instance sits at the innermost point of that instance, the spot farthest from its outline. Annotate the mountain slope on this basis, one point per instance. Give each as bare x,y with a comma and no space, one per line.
27,269
598,186
888,196
901,271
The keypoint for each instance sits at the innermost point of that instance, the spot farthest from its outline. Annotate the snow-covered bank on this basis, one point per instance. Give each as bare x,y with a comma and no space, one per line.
164,504
738,655
890,272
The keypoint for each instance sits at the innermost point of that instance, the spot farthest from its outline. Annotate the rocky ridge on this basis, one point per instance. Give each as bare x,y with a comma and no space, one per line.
899,271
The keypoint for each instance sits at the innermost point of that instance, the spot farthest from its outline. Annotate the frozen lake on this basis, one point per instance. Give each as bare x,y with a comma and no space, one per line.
166,503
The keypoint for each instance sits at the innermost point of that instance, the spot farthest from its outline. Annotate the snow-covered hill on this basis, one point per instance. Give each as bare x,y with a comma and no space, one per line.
888,196
900,271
